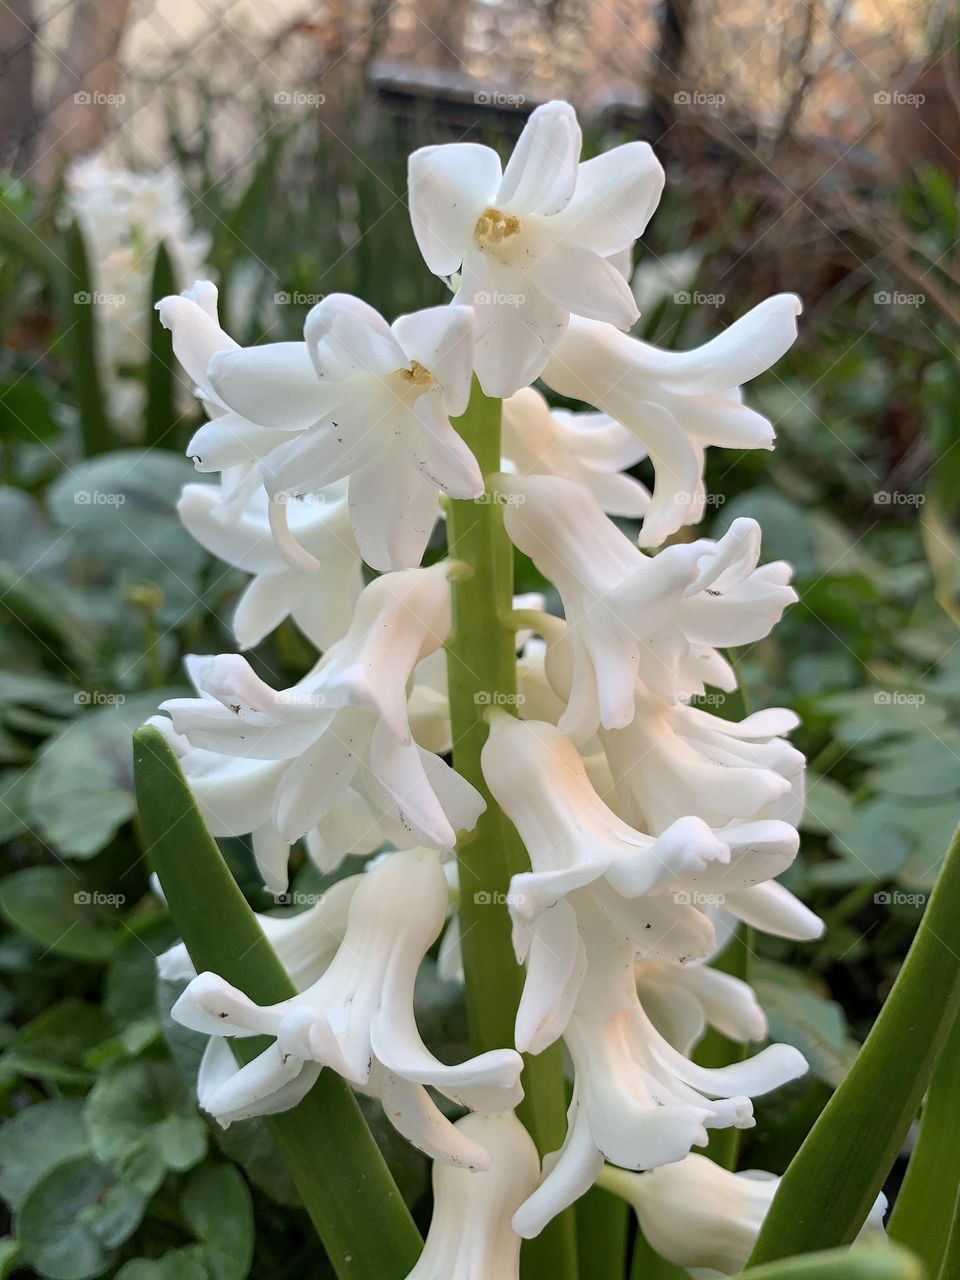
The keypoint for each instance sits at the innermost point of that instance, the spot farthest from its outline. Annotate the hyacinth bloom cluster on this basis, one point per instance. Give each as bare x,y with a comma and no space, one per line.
123,215
651,827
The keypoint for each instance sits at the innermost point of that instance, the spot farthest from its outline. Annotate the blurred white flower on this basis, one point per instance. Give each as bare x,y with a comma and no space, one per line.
470,1236
321,604
656,279
629,615
358,1020
676,402
589,448
123,217
366,400
698,1215
532,242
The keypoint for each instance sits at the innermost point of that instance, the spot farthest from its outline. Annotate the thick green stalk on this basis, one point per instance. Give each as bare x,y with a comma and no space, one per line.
346,1187
482,673
832,1182
925,1204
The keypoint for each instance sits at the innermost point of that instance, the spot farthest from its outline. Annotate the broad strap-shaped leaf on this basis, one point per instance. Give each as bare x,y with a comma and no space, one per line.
78,323
834,1179
871,1262
329,1150
925,1205
160,426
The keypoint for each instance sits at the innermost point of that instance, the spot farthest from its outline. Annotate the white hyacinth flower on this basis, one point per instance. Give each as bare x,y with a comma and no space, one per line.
676,402
344,725
589,448
363,399
305,941
683,1000
637,1101
579,850
630,615
698,1215
320,604
532,242
470,1236
673,758
358,1020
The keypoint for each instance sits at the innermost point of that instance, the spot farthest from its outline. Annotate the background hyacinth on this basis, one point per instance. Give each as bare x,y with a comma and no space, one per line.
283,180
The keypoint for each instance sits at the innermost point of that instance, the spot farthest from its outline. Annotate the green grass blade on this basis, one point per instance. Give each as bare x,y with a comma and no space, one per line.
78,324
160,426
870,1262
830,1185
925,1203
330,1153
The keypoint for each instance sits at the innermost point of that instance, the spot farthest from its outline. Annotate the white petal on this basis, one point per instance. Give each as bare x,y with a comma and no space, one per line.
442,454
232,441
541,175
274,385
775,910
355,332
617,193
393,508
581,281
197,336
449,187
441,339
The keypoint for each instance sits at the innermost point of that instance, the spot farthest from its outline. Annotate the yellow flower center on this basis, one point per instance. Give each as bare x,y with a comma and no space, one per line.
493,227
417,375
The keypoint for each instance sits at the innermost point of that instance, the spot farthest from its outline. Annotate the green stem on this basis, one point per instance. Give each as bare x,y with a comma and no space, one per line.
345,1185
602,1224
482,672
925,1203
832,1182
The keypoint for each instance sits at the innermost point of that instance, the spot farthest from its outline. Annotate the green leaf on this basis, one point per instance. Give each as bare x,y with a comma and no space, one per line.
35,1141
925,1203
179,1264
219,1212
802,1016
52,1224
347,1190
79,327
80,790
830,1186
161,380
870,1262
141,1117
55,1045
51,905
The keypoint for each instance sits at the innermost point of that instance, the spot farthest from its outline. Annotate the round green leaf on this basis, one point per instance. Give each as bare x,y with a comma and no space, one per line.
51,1226
35,1141
217,1205
51,905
